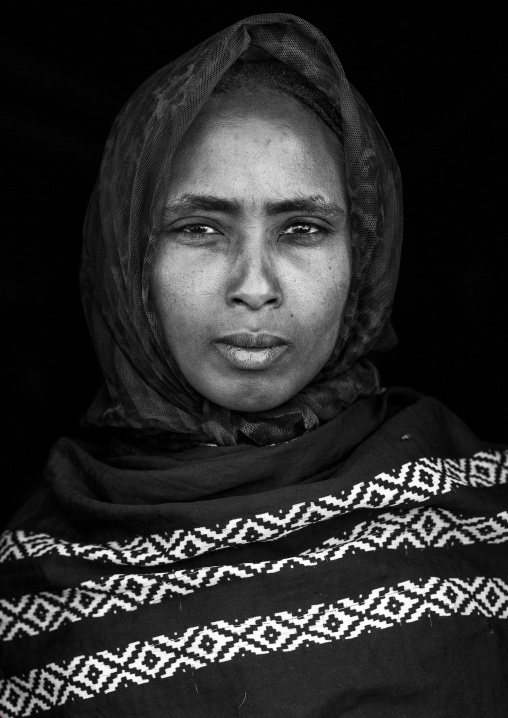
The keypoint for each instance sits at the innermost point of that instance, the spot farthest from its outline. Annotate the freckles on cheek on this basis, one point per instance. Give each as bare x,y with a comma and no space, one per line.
330,319
330,307
189,303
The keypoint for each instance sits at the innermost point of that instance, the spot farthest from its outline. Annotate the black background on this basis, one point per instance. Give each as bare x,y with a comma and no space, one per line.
436,82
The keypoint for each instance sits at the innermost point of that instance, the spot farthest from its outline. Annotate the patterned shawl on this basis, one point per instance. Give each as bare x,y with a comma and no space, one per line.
363,574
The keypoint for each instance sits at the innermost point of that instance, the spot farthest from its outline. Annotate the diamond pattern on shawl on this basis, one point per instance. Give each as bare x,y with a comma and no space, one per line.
162,657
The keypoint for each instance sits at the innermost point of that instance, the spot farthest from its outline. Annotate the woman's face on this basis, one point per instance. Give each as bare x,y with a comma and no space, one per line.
253,267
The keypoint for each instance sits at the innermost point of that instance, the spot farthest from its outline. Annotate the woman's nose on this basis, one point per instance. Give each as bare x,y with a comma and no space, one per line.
254,282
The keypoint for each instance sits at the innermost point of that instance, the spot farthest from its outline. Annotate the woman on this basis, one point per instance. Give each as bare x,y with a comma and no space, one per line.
254,526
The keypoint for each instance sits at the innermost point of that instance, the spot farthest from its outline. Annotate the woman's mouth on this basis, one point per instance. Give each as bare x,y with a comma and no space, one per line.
254,351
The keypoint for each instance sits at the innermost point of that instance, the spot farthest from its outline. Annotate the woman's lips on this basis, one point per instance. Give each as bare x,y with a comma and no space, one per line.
254,351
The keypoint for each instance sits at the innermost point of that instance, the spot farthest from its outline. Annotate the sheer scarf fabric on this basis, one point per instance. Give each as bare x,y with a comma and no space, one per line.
144,389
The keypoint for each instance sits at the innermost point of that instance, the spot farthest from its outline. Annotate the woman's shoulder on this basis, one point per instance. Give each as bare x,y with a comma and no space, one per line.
432,425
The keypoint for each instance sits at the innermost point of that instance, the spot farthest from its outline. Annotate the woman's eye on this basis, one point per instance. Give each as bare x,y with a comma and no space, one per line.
197,229
303,229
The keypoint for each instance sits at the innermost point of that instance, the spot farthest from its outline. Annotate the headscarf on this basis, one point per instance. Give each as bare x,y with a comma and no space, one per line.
144,389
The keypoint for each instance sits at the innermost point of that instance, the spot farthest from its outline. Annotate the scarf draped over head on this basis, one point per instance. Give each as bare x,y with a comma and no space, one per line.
144,388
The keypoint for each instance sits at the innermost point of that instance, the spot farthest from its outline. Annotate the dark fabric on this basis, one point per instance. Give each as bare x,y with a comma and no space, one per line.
145,389
250,72
209,472
376,586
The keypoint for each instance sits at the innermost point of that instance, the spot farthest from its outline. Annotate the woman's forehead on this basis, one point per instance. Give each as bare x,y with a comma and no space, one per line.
263,107
275,149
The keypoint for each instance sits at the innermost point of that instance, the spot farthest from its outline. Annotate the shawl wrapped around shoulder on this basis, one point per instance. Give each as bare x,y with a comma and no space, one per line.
360,570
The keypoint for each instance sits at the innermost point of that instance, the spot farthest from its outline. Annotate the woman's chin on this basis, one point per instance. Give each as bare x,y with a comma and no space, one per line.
249,404
250,399
247,391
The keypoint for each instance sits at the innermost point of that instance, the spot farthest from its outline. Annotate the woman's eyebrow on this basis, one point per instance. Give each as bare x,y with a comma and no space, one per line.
313,204
191,203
